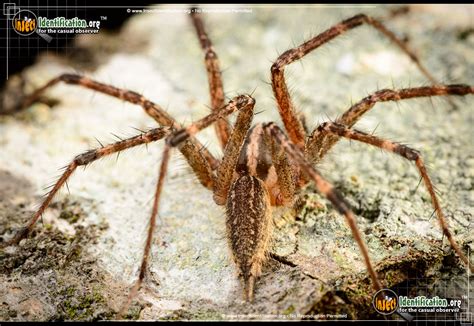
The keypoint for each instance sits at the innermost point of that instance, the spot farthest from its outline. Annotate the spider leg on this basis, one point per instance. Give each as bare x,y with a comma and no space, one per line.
222,126
151,228
284,171
293,125
239,102
242,103
409,154
199,158
152,109
227,168
327,190
82,160
320,142
260,157
225,171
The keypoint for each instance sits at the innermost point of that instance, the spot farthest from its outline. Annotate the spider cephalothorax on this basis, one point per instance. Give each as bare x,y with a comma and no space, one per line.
261,166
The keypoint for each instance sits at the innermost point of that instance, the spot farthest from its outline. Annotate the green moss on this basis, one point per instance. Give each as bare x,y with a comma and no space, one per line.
69,216
288,310
70,291
133,312
77,306
209,315
392,277
198,315
340,259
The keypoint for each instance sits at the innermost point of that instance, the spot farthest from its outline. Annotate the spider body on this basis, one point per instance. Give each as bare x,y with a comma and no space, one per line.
254,190
255,159
248,222
261,166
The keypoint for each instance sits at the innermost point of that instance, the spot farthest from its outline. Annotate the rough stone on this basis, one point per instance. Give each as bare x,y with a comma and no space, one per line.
81,261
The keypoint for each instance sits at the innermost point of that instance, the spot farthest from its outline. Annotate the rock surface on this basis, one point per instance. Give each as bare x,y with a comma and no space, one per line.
80,262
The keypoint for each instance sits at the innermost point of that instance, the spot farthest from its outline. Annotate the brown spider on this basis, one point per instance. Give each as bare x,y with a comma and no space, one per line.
261,166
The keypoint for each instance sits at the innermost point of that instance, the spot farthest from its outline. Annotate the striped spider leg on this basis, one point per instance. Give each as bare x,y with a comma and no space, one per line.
261,166
198,157
214,75
256,174
293,123
244,104
318,143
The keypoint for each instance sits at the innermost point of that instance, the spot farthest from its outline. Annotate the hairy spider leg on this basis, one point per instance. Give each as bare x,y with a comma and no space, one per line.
409,154
293,124
320,142
151,228
199,158
82,160
176,139
325,188
214,75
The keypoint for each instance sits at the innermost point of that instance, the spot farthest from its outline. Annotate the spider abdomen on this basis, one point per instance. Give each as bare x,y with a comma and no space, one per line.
248,228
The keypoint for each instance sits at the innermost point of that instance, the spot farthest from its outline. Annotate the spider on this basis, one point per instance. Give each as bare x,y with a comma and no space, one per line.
262,166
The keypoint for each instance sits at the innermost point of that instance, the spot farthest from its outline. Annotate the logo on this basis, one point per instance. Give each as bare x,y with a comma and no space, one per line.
24,22
385,302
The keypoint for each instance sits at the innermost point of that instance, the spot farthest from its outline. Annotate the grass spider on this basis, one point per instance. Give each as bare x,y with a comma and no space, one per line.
264,159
